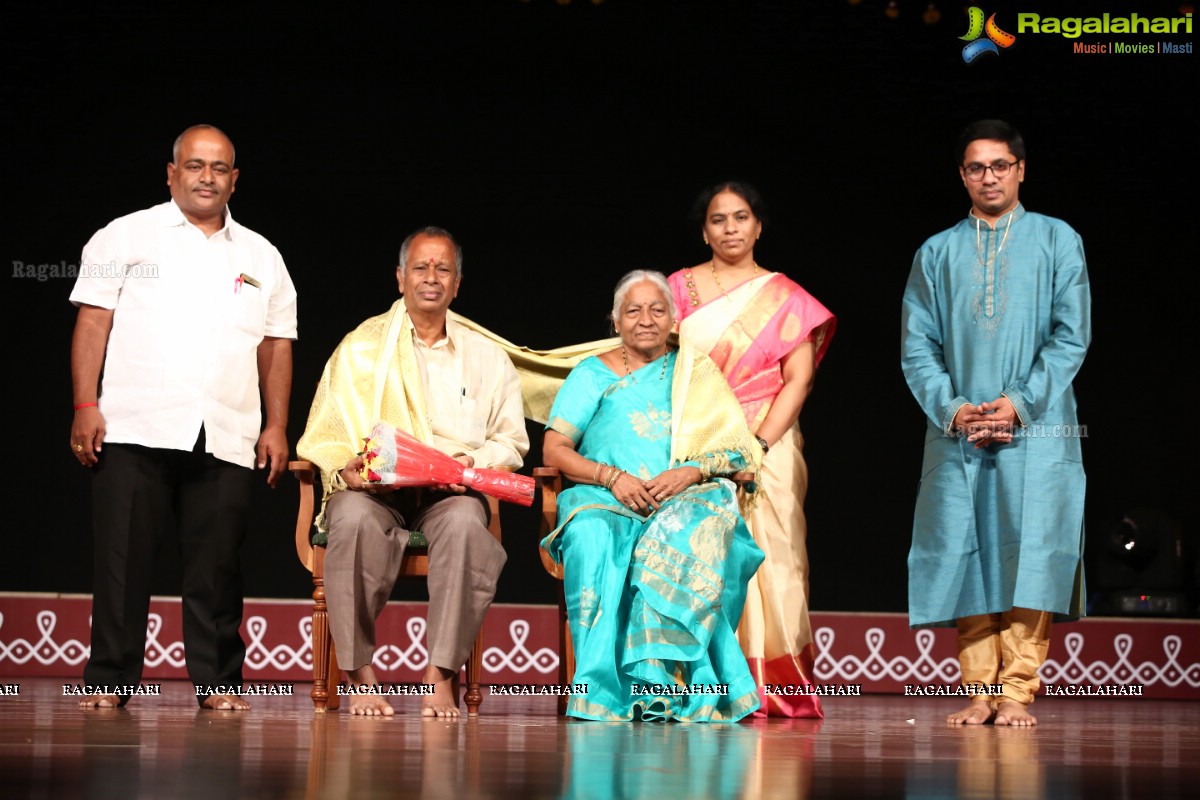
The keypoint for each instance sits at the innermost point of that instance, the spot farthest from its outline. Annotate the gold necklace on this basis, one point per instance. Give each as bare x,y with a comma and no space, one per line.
625,358
979,244
713,266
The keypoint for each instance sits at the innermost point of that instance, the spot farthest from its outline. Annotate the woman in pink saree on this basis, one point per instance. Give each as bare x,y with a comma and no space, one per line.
767,334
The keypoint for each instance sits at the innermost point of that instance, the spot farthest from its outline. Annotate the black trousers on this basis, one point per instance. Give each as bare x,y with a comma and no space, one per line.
143,497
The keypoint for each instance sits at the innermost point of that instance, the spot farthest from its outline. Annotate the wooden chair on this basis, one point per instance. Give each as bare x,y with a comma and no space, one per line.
415,565
550,481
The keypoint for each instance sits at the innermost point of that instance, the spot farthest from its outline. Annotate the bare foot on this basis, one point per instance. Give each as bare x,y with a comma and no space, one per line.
367,705
225,702
444,700
101,701
1015,714
978,713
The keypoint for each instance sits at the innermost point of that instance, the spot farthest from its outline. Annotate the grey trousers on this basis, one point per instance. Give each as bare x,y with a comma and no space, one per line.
367,538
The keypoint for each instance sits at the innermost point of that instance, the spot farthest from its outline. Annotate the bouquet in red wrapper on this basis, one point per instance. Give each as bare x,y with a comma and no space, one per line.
396,458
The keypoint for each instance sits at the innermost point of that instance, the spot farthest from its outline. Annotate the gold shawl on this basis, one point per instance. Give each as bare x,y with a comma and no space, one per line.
371,376
706,418
698,388
542,372
706,422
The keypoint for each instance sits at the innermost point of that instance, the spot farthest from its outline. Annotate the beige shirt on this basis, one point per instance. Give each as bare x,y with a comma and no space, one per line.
473,397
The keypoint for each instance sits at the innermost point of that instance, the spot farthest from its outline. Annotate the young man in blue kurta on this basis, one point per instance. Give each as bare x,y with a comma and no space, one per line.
996,323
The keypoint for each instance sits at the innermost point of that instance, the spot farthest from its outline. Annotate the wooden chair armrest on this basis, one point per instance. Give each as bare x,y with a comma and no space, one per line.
305,472
550,481
494,508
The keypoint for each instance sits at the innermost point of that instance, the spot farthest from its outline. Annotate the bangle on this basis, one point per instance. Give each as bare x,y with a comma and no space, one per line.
596,473
763,444
612,479
85,405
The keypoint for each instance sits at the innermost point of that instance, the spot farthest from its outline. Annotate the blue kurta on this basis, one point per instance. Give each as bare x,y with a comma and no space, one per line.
991,312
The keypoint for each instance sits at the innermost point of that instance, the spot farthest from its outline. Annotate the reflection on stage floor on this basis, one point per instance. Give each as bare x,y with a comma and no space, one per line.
870,746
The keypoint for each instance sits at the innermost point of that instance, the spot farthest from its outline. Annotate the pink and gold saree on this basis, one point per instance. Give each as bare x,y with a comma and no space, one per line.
748,331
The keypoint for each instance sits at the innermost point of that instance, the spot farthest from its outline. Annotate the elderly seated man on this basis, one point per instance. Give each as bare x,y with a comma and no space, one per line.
422,372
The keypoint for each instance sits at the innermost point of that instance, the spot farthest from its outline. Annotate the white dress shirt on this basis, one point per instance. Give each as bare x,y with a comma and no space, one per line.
190,312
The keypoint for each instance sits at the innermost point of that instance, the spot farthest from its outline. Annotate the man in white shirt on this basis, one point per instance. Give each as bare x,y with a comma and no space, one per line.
416,368
187,315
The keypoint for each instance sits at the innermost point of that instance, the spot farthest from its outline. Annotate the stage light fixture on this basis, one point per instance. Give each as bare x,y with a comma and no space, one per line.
1142,567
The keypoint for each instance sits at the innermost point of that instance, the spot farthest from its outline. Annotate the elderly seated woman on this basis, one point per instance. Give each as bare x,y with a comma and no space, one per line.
655,553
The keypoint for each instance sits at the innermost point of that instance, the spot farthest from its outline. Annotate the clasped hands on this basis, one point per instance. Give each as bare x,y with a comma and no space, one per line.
642,495
352,477
987,423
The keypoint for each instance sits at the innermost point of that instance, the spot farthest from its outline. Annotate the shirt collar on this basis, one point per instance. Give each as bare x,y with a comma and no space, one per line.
1004,221
172,216
452,341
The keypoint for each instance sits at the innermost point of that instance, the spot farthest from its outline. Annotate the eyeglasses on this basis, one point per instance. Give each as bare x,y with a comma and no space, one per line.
975,171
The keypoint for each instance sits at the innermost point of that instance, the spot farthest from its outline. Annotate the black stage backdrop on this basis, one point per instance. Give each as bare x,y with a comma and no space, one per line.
563,142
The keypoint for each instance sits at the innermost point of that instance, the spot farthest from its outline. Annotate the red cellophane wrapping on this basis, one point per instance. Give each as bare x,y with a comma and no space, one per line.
396,458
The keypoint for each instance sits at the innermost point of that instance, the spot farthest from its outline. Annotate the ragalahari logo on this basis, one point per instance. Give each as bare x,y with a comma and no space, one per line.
976,27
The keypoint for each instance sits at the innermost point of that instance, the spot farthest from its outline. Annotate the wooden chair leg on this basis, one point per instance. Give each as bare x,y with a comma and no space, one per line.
474,676
321,646
335,678
566,653
569,649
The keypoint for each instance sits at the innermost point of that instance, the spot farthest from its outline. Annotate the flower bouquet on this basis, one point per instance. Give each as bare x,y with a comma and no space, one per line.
396,458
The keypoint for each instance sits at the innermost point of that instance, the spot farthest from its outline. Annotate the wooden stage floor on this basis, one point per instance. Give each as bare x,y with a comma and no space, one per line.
870,746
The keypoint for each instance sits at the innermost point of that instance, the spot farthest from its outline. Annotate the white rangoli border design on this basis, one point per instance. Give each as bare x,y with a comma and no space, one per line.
515,656
923,668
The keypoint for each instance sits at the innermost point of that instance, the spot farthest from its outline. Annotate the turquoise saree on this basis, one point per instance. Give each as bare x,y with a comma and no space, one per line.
653,601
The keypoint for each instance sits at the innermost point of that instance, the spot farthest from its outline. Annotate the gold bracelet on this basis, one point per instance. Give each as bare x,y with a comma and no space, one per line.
596,474
612,480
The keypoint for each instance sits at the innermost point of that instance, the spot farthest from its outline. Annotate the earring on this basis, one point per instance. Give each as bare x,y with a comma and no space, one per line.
705,238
